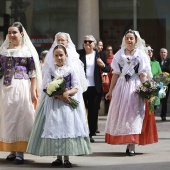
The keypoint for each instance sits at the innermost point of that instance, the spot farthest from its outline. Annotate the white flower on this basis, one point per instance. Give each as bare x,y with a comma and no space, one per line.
52,87
60,80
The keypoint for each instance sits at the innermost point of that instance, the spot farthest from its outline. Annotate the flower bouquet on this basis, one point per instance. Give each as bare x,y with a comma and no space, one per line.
58,87
149,91
163,77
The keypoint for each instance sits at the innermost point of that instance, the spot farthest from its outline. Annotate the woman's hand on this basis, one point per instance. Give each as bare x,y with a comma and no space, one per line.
33,96
33,90
108,96
100,63
66,97
143,77
61,97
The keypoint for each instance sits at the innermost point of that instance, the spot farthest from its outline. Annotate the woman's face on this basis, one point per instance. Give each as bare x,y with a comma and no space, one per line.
130,40
59,57
100,46
88,44
62,39
150,51
14,35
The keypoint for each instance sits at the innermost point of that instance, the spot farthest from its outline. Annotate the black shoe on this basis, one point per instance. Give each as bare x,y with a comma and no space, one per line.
18,160
91,139
67,164
97,131
131,153
57,162
127,151
11,157
163,118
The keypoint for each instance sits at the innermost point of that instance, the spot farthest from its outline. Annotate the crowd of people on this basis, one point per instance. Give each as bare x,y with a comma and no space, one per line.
54,127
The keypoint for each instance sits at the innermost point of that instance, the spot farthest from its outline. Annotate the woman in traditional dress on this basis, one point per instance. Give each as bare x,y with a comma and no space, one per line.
20,74
60,130
129,121
65,39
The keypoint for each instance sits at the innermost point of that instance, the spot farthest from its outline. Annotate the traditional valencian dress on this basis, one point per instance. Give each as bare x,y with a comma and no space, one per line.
128,118
59,129
16,112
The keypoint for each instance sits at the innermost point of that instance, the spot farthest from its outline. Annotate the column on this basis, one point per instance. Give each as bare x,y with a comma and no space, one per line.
29,16
88,19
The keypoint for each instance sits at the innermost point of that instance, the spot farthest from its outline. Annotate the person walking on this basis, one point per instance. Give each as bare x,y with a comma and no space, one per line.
128,115
60,129
94,62
20,77
65,39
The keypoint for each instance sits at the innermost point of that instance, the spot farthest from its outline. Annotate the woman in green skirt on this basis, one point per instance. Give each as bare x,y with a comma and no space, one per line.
59,129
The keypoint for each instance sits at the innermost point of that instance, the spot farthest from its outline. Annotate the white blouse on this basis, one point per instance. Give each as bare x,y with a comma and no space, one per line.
90,64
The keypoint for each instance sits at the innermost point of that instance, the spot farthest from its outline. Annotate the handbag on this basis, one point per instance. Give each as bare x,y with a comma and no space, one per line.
105,81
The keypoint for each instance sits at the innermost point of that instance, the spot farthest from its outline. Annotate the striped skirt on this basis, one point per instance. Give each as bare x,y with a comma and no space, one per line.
53,147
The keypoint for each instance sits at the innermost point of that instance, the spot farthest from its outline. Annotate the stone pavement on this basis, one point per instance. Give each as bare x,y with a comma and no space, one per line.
108,157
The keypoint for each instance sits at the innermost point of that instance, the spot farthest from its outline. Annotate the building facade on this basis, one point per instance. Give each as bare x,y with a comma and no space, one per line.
104,19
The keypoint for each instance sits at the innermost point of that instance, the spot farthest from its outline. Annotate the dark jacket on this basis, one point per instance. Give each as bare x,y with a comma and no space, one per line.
97,76
166,65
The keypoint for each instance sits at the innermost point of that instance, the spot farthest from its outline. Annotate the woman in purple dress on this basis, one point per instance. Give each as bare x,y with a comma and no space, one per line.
20,74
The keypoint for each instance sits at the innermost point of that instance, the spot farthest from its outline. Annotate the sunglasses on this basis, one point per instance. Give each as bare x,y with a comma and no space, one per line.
88,41
150,50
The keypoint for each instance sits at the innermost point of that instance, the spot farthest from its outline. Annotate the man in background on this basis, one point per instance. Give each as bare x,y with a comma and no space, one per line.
165,66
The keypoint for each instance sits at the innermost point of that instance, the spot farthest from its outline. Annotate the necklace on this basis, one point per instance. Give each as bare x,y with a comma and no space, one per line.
130,51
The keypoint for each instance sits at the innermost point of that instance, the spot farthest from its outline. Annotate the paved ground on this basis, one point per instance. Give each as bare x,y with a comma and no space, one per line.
109,157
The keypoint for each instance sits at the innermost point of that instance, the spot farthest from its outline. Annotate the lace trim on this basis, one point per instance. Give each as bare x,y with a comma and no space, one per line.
62,71
64,136
23,52
19,139
32,73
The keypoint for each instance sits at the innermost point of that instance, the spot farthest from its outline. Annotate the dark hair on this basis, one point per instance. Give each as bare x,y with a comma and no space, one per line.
18,25
132,32
59,46
99,41
108,45
152,58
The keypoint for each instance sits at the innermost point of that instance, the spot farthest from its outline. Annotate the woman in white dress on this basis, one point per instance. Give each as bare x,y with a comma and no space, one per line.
19,73
65,39
60,130
131,66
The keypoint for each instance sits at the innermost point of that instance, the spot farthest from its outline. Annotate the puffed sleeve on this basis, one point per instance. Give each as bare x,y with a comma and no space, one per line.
144,64
74,79
31,67
117,63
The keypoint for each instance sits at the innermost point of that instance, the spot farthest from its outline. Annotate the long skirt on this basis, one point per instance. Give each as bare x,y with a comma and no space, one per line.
148,134
53,147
